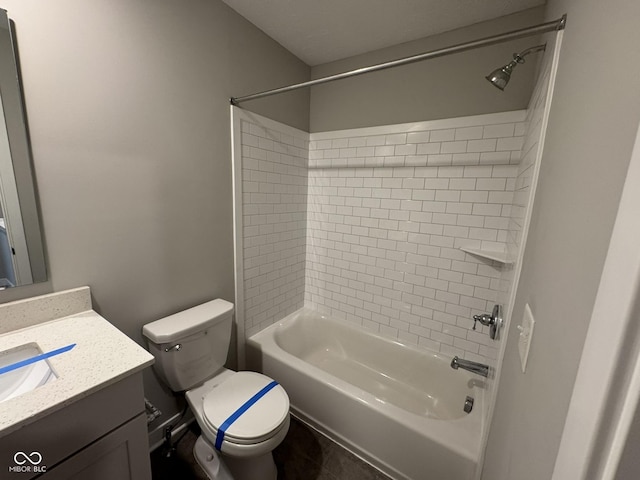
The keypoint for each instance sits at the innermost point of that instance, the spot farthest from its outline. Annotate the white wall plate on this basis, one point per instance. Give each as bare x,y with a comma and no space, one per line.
526,332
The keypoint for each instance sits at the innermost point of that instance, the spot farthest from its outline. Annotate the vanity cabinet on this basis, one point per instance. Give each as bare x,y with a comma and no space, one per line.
102,436
121,454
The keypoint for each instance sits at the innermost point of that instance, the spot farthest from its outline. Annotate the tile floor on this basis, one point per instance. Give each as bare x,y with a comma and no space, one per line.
303,455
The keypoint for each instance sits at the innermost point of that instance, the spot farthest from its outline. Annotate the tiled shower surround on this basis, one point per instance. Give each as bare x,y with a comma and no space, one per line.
274,209
527,176
388,210
378,215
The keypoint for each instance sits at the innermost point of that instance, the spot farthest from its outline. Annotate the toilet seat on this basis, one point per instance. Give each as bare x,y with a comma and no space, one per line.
261,421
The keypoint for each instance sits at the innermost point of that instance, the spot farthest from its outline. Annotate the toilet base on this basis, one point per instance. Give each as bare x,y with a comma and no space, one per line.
223,467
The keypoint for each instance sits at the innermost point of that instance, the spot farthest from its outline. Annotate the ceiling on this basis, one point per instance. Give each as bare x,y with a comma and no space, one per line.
321,31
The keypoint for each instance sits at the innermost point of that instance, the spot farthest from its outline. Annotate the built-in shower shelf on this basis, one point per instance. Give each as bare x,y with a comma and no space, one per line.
496,256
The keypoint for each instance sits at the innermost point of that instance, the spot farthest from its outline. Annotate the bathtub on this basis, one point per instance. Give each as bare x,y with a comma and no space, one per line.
398,407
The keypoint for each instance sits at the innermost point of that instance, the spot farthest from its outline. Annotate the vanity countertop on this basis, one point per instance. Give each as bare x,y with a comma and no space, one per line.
102,356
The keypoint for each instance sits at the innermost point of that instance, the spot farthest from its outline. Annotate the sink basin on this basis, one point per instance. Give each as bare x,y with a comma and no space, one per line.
24,378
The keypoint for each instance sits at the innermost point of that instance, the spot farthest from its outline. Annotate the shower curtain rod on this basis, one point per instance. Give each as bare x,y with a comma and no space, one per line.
556,25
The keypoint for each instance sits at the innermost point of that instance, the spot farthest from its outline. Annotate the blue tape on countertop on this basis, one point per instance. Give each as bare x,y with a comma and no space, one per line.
238,413
37,358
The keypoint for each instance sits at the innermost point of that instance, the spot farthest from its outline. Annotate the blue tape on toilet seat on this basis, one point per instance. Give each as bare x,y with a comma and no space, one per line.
238,413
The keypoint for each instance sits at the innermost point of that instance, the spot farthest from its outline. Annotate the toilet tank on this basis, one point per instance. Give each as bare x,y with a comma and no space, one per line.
191,346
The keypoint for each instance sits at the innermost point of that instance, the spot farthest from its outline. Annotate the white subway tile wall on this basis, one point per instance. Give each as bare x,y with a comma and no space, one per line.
531,129
274,212
387,213
366,225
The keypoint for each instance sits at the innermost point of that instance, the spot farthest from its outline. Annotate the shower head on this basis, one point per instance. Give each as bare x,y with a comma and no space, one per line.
501,76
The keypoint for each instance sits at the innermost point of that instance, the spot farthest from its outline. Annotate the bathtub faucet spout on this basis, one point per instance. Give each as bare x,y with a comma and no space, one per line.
473,367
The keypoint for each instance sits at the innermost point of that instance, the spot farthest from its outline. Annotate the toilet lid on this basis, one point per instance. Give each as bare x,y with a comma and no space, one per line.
259,420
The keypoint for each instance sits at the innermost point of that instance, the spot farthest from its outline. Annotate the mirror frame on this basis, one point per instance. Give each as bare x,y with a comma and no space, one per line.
16,126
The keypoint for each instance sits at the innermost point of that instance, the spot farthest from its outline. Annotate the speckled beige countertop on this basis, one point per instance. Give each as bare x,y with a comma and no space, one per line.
103,355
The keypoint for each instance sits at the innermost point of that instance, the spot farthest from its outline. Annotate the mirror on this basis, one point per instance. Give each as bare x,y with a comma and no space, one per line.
21,249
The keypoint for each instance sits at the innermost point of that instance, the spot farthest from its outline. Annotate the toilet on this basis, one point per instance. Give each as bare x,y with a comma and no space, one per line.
243,416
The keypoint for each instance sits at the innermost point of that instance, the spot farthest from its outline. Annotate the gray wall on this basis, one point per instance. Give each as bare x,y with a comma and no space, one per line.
592,128
445,87
127,104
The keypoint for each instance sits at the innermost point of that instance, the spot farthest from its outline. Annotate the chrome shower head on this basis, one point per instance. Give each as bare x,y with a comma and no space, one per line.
501,76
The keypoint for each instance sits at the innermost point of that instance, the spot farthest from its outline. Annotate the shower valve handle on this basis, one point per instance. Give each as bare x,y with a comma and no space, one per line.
484,319
493,320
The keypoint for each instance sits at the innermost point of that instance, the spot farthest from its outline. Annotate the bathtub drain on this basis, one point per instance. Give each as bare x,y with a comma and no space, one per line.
468,404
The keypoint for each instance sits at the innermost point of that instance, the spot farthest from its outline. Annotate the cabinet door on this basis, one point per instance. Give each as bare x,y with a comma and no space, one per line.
122,454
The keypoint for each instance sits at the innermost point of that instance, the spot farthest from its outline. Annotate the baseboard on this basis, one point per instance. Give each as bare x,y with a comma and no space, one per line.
156,436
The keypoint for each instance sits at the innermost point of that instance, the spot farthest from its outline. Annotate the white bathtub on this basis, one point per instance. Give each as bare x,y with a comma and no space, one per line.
398,407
